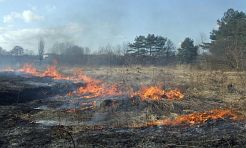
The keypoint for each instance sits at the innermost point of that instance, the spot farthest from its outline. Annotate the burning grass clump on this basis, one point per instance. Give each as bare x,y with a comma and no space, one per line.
198,117
156,93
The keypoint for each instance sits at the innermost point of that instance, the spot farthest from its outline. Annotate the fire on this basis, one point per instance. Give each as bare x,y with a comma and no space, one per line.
53,73
152,92
197,118
174,94
93,90
80,76
96,88
156,93
69,94
29,69
93,87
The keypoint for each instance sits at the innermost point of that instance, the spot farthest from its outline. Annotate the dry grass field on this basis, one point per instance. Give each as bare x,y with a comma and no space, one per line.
227,86
209,112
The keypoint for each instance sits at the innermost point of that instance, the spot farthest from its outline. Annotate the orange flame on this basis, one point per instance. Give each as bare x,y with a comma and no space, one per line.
53,72
69,94
29,69
174,94
152,92
80,76
96,88
197,118
156,93
93,90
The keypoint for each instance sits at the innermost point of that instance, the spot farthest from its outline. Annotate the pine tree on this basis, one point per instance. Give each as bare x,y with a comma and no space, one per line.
188,51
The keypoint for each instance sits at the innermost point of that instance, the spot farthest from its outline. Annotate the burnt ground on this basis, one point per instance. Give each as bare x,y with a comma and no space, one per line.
51,119
21,88
16,132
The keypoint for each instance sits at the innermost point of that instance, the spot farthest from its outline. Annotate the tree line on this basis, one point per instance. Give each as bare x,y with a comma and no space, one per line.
226,49
162,49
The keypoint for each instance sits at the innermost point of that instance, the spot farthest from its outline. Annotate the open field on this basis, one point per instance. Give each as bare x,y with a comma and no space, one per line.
227,86
210,112
122,74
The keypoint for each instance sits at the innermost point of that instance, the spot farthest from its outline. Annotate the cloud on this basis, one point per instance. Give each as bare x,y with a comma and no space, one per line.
28,37
50,8
27,16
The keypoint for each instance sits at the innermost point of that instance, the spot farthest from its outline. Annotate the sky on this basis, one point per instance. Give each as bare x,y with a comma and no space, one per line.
97,23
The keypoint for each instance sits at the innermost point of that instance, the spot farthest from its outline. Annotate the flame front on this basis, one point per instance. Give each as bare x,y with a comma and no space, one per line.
152,92
93,87
97,88
29,69
80,76
93,90
156,93
53,73
197,118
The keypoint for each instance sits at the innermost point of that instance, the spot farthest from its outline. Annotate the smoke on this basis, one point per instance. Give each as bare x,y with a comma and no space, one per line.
98,23
28,38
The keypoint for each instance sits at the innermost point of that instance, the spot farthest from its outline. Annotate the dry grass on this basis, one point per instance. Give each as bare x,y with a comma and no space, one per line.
194,83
